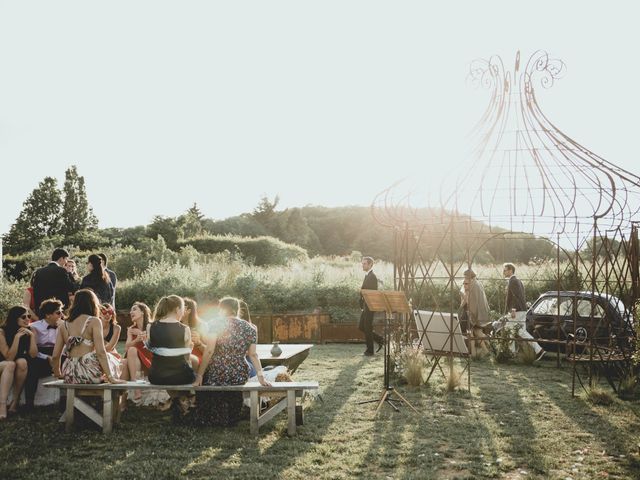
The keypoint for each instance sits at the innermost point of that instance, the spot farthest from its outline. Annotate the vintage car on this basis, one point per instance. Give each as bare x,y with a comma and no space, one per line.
580,316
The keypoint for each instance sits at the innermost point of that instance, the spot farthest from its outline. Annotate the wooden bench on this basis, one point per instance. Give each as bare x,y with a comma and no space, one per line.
110,394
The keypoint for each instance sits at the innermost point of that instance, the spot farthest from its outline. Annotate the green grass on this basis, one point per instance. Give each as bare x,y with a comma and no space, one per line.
516,419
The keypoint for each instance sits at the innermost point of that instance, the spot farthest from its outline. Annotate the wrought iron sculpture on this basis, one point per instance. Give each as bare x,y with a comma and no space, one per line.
524,179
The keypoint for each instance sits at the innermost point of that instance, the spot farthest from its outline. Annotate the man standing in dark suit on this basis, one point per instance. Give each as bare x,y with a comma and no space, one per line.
54,280
112,276
515,290
366,317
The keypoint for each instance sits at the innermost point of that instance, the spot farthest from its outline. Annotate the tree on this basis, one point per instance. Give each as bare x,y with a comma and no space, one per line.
265,212
192,222
77,215
39,219
169,228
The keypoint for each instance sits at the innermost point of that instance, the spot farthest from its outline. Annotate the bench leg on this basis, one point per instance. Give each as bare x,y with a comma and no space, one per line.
254,412
291,412
68,414
116,406
107,411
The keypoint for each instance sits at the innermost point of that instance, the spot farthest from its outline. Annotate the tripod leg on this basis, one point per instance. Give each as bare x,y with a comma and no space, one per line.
405,401
382,399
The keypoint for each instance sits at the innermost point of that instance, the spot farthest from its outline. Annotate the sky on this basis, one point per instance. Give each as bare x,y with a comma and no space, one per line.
162,104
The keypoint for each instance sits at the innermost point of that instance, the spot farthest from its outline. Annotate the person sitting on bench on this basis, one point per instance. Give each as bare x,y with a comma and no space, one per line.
45,331
82,340
229,341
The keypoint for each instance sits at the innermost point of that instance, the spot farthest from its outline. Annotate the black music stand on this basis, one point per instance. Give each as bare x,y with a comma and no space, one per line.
390,302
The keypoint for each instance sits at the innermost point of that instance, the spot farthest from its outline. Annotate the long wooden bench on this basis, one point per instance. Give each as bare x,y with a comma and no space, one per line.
110,394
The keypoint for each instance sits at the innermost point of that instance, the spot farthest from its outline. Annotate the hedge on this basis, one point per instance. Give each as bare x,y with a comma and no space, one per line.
259,251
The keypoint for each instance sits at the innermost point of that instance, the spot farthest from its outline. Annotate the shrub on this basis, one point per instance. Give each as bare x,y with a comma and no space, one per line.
259,251
11,294
412,363
599,396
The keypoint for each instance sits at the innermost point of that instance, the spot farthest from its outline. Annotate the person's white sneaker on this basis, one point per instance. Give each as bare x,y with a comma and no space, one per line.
540,355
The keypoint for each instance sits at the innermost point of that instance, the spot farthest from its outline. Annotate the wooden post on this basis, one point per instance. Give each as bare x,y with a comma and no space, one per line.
68,414
107,411
291,412
254,412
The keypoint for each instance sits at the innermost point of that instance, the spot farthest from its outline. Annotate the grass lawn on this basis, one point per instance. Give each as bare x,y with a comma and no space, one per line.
517,422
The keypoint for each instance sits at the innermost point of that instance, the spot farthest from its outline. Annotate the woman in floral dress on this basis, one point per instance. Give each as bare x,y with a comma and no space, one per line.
224,363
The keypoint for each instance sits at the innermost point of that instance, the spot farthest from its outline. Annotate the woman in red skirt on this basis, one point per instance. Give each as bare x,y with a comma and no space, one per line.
137,357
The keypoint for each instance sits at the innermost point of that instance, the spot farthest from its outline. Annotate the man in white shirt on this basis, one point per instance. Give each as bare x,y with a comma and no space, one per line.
45,330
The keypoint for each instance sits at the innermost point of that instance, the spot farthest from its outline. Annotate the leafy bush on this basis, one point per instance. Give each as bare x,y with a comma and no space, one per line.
298,287
11,294
258,251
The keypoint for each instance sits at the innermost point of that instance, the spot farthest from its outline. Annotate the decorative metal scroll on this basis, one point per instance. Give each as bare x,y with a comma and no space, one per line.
524,173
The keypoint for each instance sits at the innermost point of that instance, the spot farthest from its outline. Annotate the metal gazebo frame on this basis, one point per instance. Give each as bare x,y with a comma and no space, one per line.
526,179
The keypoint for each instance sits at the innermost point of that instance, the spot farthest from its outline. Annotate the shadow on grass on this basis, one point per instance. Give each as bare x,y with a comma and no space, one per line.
612,438
248,460
444,440
521,434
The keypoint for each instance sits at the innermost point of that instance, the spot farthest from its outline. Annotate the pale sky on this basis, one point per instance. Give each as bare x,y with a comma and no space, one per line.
161,104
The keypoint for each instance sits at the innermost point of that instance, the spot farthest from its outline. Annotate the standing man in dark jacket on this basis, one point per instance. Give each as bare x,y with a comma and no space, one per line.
366,317
515,290
54,280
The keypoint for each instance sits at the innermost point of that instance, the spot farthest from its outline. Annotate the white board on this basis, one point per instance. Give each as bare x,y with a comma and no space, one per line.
437,329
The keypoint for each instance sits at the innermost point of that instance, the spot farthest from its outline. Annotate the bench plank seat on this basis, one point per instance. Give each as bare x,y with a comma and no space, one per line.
110,394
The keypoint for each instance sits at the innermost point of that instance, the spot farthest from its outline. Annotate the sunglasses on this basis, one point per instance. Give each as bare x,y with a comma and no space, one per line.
25,316
58,312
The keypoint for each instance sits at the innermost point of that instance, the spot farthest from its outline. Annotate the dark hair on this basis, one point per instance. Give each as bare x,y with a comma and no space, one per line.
59,253
104,258
85,302
146,313
192,320
230,303
50,305
11,326
510,266
98,269
107,308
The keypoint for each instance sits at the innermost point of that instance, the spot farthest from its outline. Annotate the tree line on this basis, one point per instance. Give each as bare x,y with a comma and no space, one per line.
64,217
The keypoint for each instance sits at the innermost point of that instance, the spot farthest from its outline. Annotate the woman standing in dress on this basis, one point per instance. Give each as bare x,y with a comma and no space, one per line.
224,363
98,279
110,329
17,348
81,339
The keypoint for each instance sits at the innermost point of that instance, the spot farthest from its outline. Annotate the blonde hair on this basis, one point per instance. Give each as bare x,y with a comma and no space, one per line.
166,305
231,304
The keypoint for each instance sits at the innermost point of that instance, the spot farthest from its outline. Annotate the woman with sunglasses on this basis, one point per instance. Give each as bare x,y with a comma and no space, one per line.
110,329
18,345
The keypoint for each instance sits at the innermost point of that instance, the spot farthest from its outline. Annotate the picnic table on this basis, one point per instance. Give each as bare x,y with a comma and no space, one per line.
293,354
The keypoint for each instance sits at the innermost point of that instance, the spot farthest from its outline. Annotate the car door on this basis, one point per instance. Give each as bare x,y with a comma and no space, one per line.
591,321
550,316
